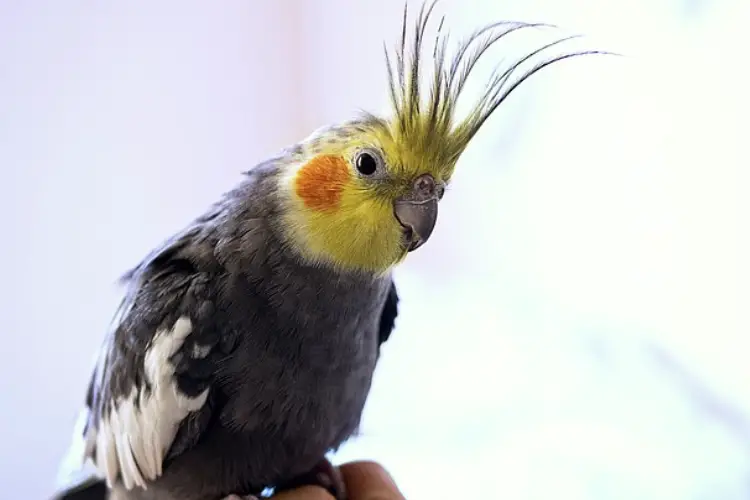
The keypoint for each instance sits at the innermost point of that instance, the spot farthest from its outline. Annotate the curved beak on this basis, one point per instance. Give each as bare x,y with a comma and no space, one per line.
417,212
418,219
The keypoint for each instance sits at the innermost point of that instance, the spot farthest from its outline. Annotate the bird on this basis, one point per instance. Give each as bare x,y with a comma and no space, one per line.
244,347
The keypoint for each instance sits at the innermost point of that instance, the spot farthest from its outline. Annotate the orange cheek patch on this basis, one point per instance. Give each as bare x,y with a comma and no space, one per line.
321,181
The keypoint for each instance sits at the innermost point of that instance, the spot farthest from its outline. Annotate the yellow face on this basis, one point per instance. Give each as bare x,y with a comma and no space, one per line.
361,196
359,201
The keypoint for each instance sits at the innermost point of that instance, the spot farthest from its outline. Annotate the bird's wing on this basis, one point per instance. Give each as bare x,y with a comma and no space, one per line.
388,315
147,397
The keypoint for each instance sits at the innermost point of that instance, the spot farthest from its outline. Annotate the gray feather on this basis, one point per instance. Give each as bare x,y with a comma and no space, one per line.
285,352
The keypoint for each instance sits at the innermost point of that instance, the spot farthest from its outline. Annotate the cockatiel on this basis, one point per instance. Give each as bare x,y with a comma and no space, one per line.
244,348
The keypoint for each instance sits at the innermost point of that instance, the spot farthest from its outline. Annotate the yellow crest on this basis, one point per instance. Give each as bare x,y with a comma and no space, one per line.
429,126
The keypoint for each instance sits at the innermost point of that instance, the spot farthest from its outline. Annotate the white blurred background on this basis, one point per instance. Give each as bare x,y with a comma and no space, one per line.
578,326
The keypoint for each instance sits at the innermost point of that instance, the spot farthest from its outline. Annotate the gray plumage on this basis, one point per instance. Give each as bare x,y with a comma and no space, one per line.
233,365
285,350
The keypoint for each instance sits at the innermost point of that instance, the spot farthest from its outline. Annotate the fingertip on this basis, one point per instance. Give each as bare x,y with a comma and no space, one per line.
368,480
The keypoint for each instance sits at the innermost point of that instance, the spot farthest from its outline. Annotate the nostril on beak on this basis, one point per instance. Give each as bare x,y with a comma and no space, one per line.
424,186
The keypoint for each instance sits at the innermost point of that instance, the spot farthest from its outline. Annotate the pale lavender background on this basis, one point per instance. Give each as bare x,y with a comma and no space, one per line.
578,327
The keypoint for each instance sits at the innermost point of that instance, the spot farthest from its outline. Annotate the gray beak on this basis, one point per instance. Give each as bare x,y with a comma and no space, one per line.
417,211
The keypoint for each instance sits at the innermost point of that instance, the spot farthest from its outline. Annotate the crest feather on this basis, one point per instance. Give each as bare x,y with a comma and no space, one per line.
431,126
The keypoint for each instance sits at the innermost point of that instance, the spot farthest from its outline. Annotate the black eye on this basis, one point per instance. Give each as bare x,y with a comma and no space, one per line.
366,163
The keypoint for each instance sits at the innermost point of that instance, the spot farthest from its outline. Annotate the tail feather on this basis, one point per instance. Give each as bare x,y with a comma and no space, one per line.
89,488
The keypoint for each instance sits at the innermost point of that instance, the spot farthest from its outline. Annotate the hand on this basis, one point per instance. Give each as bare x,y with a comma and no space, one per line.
364,481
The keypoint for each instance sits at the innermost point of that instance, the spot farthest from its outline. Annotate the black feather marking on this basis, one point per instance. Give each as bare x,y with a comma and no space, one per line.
389,314
92,489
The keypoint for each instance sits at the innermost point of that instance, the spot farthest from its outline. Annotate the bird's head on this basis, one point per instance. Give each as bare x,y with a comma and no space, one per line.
363,194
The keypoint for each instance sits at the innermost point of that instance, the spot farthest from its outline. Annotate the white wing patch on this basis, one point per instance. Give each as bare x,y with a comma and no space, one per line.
133,439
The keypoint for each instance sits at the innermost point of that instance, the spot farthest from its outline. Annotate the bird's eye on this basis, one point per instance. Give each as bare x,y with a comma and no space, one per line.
366,163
